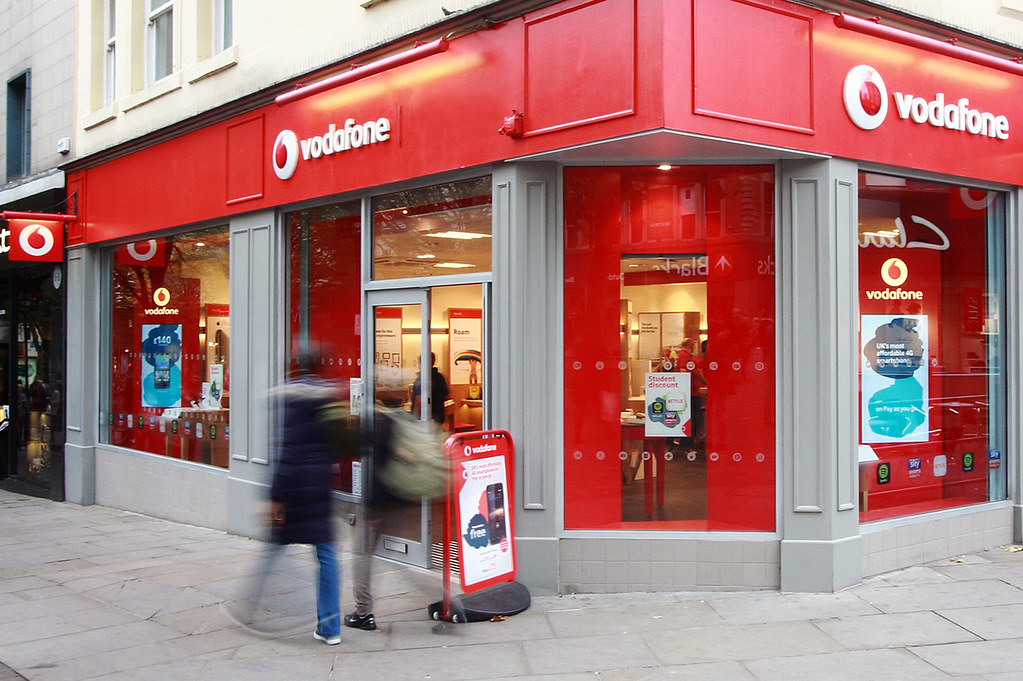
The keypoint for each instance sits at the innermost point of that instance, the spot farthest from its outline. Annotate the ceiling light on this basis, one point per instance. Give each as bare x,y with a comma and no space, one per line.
426,256
451,234
454,265
665,166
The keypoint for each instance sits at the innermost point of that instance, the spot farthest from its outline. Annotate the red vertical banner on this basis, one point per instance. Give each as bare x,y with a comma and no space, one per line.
36,240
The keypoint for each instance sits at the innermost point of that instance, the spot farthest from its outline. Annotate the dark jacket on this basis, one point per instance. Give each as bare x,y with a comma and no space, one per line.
302,479
376,454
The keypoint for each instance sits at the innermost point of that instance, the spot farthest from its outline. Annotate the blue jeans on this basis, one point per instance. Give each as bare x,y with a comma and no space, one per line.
328,591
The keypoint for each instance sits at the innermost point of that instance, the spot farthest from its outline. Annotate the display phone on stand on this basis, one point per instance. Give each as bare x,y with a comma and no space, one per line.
495,511
161,371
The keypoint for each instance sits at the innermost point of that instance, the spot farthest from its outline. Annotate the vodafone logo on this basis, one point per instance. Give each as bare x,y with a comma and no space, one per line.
36,240
162,297
285,154
894,272
865,97
288,149
143,251
866,100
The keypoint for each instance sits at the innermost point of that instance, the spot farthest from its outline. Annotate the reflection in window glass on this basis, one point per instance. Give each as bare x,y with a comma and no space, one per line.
433,231
932,385
325,299
170,342
669,349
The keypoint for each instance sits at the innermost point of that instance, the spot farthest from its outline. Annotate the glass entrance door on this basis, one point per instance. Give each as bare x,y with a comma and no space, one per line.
443,329
31,382
400,346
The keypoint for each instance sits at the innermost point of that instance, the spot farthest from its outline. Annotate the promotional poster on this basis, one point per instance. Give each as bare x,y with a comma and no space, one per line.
668,404
484,514
161,373
894,390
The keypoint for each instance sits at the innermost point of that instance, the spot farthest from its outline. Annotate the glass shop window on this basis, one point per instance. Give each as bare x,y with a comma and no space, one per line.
325,303
669,348
932,346
433,231
170,378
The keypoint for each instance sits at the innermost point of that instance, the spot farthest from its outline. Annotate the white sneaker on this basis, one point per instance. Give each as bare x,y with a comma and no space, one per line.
329,640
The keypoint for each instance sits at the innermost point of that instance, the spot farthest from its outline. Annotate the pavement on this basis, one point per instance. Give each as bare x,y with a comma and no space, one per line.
107,595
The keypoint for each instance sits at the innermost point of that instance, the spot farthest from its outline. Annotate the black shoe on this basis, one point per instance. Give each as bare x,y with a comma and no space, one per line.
357,621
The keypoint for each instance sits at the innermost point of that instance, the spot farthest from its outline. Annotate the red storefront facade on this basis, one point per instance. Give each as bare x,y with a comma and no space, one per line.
806,164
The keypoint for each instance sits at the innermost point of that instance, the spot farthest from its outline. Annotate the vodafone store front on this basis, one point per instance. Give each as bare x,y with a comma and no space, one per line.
744,336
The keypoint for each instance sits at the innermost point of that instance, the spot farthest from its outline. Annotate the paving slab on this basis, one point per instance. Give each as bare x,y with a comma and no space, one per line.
97,594
895,631
740,642
858,665
977,657
940,596
588,654
796,607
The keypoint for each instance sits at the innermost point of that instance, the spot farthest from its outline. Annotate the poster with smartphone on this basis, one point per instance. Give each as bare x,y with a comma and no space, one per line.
161,373
484,517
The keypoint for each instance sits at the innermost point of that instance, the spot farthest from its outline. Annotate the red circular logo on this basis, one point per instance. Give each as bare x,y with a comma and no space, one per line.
865,97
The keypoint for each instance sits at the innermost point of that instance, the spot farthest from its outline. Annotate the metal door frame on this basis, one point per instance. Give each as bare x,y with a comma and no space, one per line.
402,549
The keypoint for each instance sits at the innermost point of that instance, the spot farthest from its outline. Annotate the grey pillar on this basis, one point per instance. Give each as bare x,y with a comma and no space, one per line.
1014,355
526,347
83,378
821,548
257,335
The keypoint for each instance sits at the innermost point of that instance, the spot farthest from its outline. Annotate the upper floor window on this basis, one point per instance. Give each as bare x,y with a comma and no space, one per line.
223,22
110,51
19,125
160,38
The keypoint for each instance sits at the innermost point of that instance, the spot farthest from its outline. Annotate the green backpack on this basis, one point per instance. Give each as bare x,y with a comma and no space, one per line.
418,466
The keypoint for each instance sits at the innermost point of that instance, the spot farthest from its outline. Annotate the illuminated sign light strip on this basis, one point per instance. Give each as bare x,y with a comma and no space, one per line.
895,35
359,72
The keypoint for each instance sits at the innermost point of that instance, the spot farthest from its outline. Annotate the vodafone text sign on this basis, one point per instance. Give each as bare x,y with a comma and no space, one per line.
288,149
866,100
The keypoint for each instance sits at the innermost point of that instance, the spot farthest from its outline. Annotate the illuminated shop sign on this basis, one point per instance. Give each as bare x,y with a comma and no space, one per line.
867,102
161,297
894,272
288,149
38,240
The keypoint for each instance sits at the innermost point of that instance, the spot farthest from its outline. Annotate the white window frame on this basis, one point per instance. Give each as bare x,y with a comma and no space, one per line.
223,19
109,52
164,11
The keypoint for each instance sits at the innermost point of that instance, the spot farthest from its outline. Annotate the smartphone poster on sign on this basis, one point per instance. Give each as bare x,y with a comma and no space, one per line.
487,549
894,379
161,373
668,404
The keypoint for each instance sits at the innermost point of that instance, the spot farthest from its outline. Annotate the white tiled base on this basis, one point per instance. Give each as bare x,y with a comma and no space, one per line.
887,548
600,565
163,488
626,565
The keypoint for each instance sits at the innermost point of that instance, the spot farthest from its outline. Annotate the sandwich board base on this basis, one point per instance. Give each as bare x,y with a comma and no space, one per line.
501,600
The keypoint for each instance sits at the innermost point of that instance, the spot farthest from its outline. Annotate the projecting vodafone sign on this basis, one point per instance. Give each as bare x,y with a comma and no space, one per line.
33,240
868,104
289,149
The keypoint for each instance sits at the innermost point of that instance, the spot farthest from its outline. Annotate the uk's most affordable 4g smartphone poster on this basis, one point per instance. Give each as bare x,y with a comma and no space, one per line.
894,390
487,552
161,373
